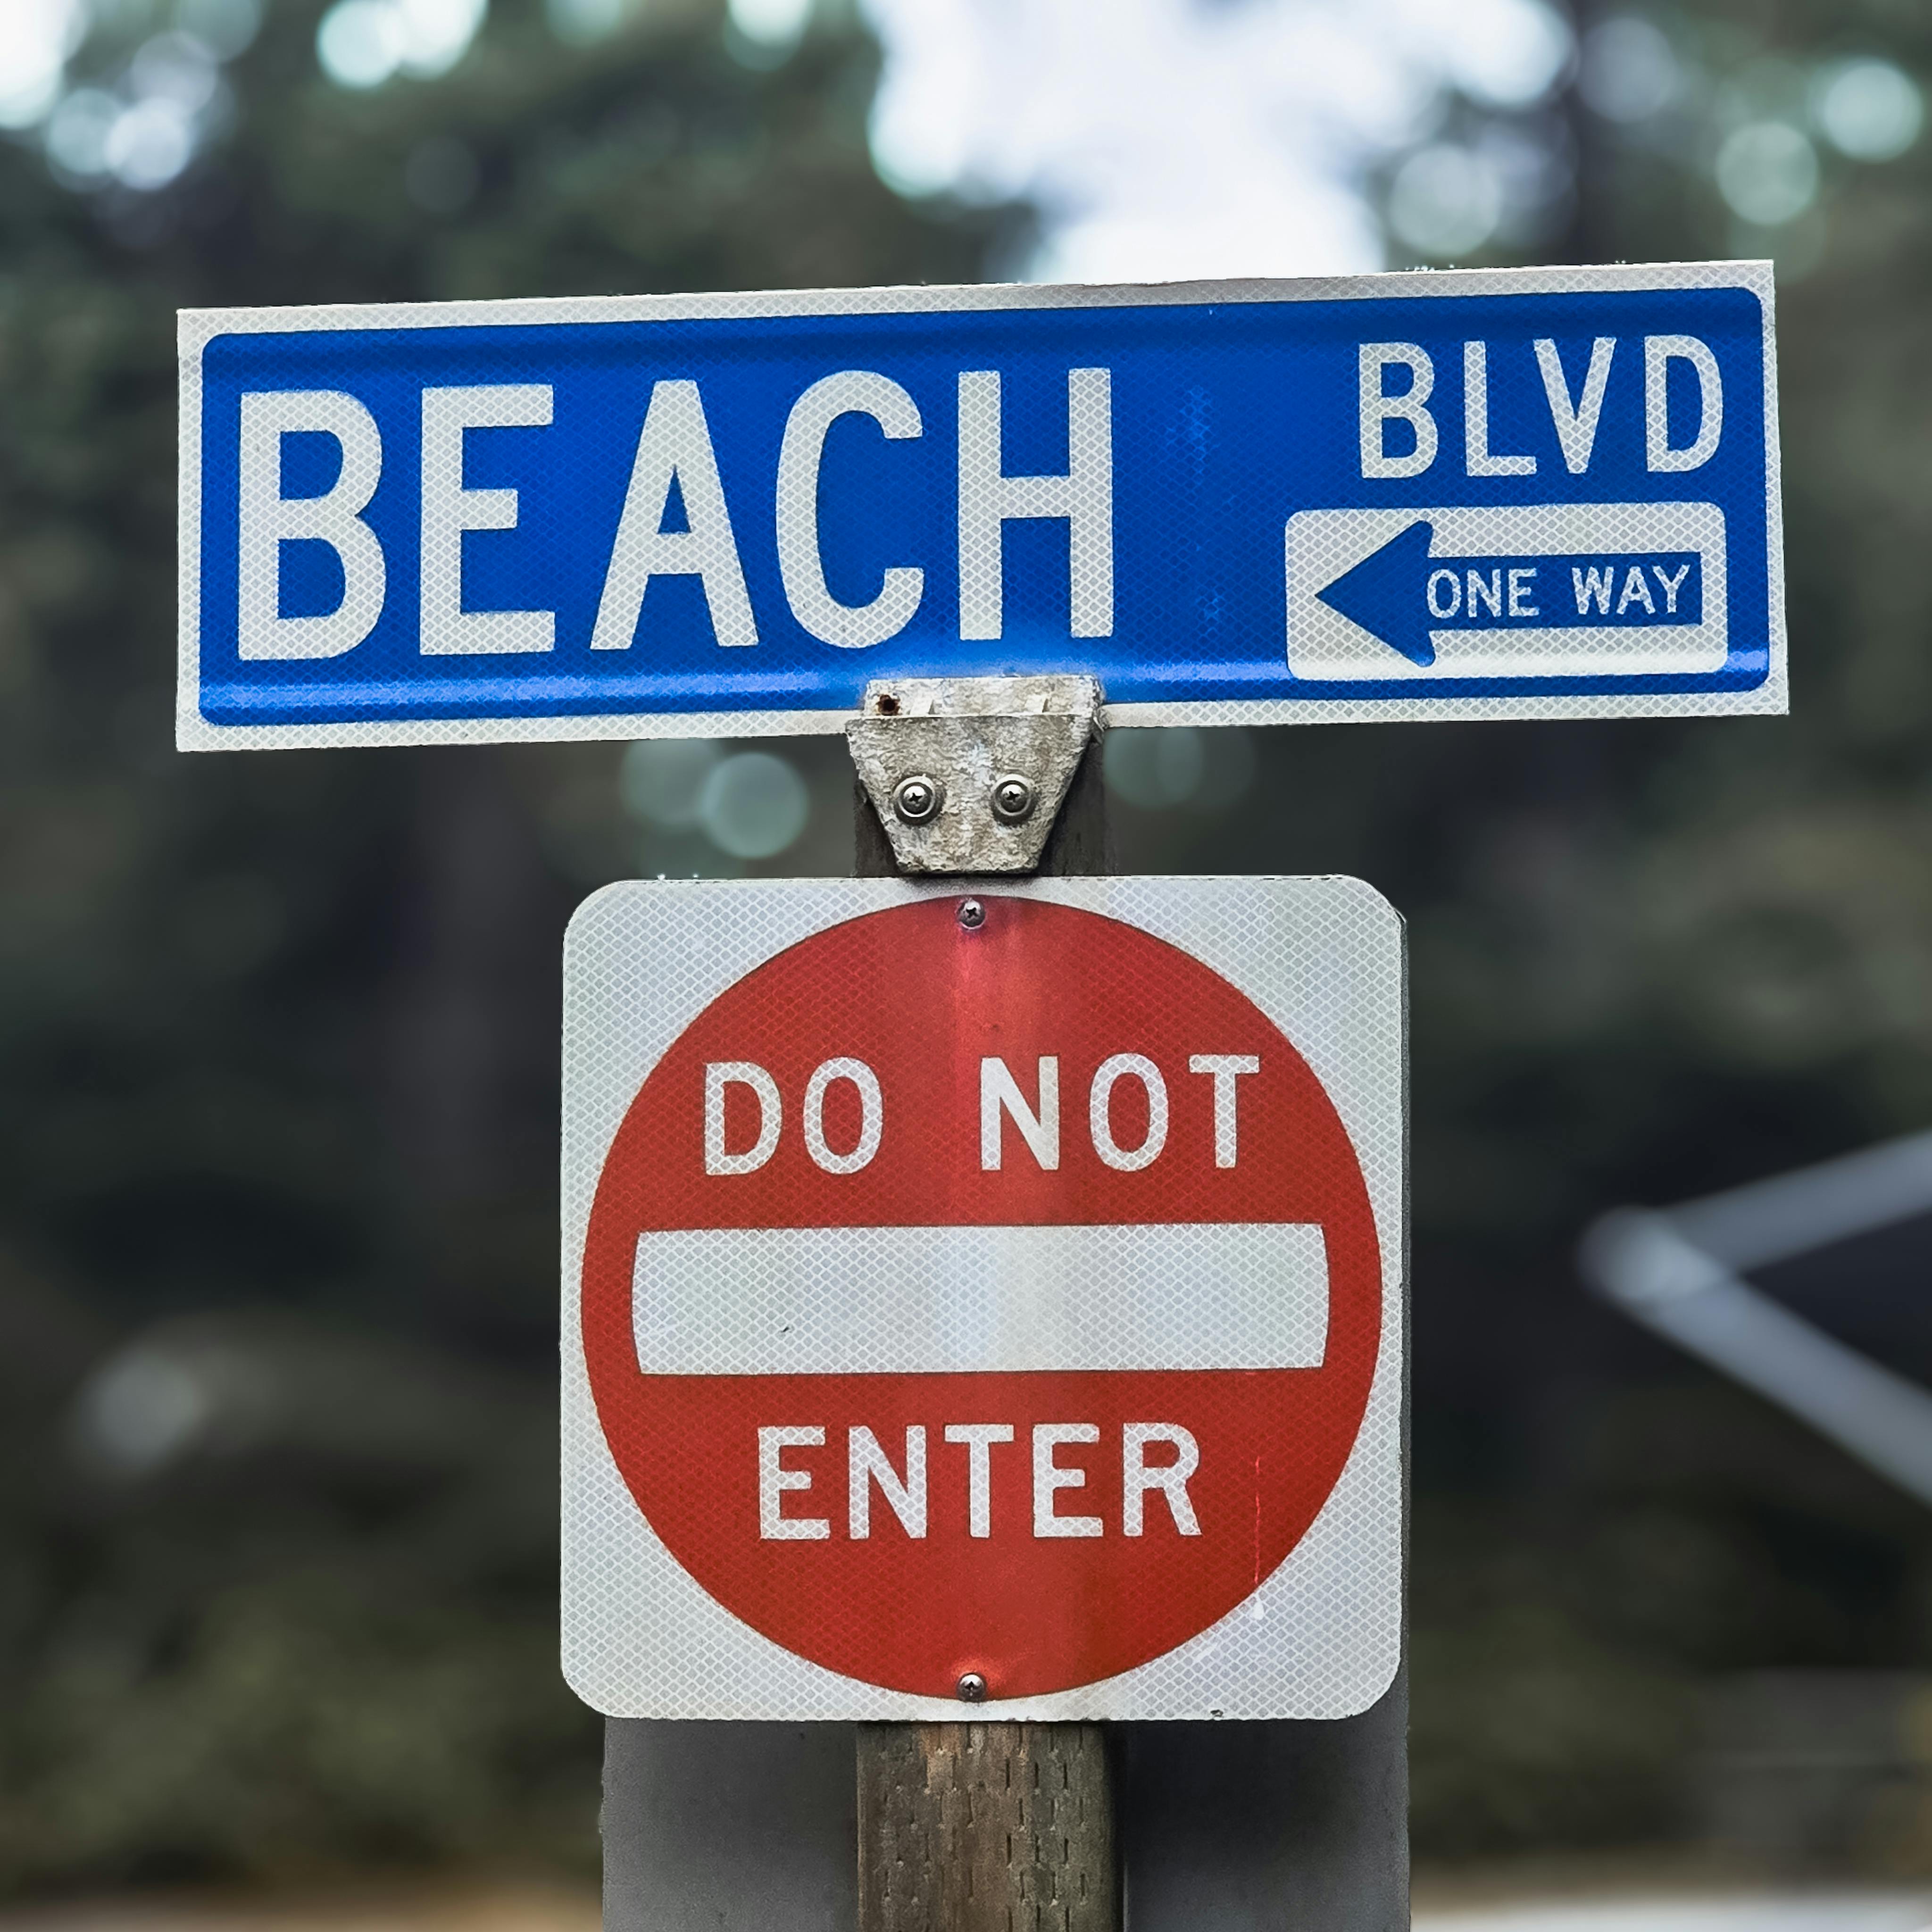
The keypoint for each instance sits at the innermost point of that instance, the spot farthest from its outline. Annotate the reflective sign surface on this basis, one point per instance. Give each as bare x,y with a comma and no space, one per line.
1508,493
1010,1288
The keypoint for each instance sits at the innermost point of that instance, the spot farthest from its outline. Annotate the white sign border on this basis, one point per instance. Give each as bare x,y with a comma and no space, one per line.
1296,1648
197,327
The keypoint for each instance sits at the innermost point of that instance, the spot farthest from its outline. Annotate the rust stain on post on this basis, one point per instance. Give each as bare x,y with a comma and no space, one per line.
985,1828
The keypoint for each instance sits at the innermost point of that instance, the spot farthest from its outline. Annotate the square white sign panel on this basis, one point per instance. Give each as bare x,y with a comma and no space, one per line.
1119,1171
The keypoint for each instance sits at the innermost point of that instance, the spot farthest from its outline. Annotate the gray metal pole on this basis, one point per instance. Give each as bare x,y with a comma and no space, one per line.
713,1827
1219,1827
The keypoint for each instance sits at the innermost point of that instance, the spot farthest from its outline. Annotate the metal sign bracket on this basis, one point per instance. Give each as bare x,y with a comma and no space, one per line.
967,774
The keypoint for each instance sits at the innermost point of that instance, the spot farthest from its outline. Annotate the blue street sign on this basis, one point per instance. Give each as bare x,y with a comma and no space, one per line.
1536,493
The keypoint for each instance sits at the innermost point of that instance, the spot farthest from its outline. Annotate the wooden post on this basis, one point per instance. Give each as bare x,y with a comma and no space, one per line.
990,1827
985,1828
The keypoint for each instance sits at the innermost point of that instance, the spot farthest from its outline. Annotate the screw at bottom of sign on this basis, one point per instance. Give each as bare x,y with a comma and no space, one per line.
972,916
972,1688
1013,798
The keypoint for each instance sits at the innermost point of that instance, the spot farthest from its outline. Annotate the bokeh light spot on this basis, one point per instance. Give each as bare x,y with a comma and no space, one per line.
1869,110
76,136
150,143
36,37
225,27
1629,72
661,780
1156,770
754,806
359,42
1768,172
1445,201
581,23
770,23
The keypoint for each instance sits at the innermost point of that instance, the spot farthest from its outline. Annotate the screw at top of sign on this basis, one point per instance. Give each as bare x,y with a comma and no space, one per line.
918,798
1013,798
972,1688
972,914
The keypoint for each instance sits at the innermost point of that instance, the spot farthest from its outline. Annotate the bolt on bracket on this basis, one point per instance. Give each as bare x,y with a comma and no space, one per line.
967,774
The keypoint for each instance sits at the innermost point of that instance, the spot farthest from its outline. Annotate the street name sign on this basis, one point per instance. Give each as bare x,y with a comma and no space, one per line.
1499,493
994,1294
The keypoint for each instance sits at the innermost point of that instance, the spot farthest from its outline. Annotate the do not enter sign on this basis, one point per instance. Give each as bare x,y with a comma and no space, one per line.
1000,1288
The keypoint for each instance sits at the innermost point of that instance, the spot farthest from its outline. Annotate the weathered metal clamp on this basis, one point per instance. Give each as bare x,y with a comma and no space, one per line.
967,774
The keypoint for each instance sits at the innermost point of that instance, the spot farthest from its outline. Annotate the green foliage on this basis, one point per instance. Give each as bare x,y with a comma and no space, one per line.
1649,960
280,1034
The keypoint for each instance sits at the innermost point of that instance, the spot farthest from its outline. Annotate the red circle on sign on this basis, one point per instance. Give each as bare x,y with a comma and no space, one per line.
921,1000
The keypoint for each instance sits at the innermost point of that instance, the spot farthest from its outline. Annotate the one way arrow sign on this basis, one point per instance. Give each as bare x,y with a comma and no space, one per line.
1406,592
1631,596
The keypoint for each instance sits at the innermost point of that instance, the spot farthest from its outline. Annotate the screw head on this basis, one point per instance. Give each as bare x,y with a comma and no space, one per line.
917,798
972,915
1013,798
972,1688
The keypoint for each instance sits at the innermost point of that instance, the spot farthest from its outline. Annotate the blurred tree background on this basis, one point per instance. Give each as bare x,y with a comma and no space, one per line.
278,1037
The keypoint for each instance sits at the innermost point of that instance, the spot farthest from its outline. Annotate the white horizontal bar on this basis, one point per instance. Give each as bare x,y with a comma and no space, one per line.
720,1301
1767,1221
1643,1262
